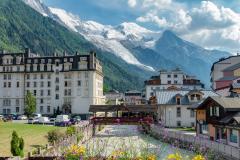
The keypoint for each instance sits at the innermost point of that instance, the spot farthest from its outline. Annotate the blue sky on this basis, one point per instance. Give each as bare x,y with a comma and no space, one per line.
212,24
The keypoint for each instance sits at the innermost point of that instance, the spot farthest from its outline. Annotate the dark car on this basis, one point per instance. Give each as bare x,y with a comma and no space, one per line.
75,120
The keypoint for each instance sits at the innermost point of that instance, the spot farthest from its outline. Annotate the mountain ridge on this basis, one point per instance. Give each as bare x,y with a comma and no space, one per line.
132,45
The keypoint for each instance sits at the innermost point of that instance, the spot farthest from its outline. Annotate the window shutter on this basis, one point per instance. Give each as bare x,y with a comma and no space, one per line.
210,111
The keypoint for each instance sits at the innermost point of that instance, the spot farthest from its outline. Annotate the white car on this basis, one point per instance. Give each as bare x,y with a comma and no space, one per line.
33,120
22,117
62,118
43,120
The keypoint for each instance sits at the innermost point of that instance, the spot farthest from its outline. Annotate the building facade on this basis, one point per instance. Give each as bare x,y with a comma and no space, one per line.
177,108
171,80
218,118
133,97
69,84
225,72
114,97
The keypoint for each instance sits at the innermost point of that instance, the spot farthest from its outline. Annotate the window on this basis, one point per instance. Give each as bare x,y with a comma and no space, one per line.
65,84
41,101
192,97
57,79
198,97
175,82
178,112
17,109
17,102
9,84
49,83
79,83
28,76
49,92
42,84
57,88
169,75
42,76
238,81
41,109
233,134
214,111
35,92
179,123
42,92
57,96
178,99
48,109
18,68
57,64
5,84
86,74
4,76
175,75
18,84
28,84
35,76
192,113
49,76
169,82
35,84
9,76
65,92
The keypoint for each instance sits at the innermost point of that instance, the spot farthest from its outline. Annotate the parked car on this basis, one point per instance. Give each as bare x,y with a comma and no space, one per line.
75,120
62,120
43,120
37,115
7,118
33,120
22,117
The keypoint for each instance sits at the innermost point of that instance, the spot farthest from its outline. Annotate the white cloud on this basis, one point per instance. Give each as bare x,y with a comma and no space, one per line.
207,24
132,3
213,16
153,18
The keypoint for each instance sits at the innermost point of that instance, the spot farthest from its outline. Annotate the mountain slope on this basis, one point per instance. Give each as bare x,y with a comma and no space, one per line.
21,27
136,45
192,58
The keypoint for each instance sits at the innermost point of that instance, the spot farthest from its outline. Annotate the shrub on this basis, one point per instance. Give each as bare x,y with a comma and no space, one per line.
17,145
54,136
71,130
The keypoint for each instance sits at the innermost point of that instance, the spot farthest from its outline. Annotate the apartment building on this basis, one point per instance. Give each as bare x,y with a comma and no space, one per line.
68,83
171,80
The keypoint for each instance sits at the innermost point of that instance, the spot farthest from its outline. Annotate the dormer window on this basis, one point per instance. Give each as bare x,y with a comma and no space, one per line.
178,100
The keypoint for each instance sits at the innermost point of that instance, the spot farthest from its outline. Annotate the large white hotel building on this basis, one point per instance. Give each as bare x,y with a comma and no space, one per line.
69,83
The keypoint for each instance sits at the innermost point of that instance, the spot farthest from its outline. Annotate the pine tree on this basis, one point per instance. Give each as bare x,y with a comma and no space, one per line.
17,145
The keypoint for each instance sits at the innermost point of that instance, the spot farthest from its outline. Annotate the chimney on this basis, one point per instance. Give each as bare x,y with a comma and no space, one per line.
27,52
65,53
92,60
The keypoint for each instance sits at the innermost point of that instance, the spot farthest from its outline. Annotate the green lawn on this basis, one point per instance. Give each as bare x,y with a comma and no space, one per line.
186,129
33,135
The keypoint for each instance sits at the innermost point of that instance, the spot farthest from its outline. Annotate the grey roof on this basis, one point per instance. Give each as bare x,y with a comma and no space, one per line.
232,68
234,116
168,97
227,78
227,102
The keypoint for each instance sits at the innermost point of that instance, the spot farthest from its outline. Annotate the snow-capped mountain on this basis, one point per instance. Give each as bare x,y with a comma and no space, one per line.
137,45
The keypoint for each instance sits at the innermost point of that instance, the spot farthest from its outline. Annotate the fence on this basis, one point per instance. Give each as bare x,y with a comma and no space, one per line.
56,150
227,150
